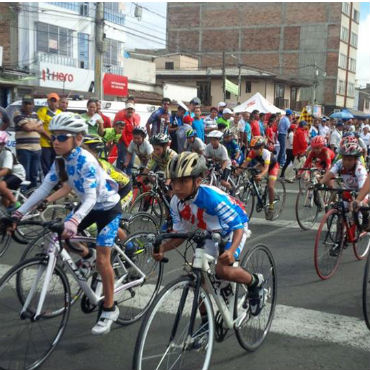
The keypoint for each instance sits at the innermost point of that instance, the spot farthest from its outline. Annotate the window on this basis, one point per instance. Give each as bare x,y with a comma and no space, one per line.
356,15
279,91
113,14
351,89
345,8
367,104
342,61
354,39
204,92
169,65
228,95
352,64
53,39
293,96
114,48
248,86
75,7
340,89
344,34
84,9
83,50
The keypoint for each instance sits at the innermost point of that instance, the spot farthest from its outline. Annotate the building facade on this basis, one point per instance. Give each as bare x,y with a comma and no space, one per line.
315,42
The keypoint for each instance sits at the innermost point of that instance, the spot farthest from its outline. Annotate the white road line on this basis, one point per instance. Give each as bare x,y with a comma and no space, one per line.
293,224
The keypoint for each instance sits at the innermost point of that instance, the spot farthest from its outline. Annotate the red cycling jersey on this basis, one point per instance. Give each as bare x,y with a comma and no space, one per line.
322,159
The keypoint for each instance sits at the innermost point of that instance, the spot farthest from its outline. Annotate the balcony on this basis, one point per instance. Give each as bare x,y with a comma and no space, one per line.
55,59
281,103
116,70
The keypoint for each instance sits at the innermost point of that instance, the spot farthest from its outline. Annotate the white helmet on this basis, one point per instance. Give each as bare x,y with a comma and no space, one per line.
215,133
68,121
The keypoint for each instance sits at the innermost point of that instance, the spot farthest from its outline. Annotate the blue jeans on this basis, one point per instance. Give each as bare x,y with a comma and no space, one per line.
30,160
122,153
281,155
47,159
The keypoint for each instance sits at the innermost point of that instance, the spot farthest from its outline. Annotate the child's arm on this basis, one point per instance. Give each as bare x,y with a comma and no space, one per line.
60,193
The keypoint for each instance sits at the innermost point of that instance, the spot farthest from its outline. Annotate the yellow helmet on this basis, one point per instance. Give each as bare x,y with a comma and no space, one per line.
186,164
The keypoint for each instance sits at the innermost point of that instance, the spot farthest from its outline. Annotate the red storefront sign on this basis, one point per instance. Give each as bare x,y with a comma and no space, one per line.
115,85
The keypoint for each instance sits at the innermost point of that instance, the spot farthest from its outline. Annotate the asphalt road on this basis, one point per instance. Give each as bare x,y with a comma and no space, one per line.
318,324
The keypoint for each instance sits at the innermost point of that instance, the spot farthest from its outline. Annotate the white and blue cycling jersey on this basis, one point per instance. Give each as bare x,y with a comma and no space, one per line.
211,209
93,186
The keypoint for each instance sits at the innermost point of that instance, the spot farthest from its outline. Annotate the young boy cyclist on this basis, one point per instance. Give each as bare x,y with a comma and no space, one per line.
210,209
99,202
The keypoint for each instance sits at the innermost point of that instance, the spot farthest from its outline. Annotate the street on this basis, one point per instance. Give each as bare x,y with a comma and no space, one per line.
317,325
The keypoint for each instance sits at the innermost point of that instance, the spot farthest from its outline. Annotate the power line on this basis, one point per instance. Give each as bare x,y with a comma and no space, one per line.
152,11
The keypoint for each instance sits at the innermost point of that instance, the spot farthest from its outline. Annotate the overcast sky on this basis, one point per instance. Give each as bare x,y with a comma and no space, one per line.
152,33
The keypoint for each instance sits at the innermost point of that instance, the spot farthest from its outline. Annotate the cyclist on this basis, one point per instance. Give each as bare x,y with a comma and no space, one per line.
193,143
209,208
139,146
100,202
12,174
262,159
232,147
217,152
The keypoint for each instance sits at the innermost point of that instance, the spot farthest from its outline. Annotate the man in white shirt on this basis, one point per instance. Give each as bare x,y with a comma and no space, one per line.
324,129
336,136
365,136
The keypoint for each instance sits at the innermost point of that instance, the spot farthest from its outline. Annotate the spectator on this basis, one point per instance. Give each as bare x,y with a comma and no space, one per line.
255,127
282,131
93,119
221,106
324,129
136,116
176,121
63,104
198,123
45,115
224,121
247,133
336,137
288,150
159,120
300,140
106,120
4,119
261,123
195,102
211,121
314,130
365,136
271,133
112,135
28,129
181,132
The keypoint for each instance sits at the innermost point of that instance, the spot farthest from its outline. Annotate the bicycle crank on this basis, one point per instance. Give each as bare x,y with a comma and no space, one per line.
220,330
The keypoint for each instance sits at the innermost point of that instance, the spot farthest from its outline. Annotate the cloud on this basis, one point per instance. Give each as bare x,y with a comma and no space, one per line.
363,52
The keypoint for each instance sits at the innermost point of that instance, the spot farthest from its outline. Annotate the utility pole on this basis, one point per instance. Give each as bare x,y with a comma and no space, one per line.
99,49
239,81
223,75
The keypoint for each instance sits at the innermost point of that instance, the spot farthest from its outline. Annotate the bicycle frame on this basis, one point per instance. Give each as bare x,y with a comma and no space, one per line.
54,251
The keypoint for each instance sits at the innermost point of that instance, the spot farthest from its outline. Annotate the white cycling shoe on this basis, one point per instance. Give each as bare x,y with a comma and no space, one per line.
105,322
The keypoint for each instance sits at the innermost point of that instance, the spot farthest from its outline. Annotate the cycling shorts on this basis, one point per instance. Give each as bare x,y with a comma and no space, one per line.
225,174
273,171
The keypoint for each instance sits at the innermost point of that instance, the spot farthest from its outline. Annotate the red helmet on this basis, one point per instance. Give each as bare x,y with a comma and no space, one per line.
318,142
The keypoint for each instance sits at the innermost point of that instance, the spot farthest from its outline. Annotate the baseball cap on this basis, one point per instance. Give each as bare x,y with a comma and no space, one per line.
227,110
130,105
53,95
27,99
303,123
222,104
288,112
187,119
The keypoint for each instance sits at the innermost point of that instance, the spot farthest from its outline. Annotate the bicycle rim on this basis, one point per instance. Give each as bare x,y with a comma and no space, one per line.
279,199
148,203
142,221
247,197
253,329
27,343
366,293
362,245
4,243
328,244
163,341
305,208
134,302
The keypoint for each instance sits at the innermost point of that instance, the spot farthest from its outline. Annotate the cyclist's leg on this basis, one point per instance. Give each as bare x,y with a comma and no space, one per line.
224,178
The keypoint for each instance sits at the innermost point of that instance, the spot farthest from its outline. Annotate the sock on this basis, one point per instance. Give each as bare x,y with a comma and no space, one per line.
90,254
109,309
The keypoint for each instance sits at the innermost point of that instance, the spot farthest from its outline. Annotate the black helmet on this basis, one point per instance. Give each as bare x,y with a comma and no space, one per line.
159,139
139,131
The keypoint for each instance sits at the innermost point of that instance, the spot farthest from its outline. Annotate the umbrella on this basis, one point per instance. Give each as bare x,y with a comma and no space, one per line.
344,114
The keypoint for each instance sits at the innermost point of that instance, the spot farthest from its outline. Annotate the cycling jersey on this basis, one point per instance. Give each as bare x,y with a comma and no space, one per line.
265,158
322,160
93,186
232,148
352,180
157,163
143,151
219,154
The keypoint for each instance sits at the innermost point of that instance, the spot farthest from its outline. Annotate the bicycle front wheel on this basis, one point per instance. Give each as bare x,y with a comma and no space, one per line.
148,203
362,244
279,199
366,293
164,341
251,330
329,244
247,197
142,222
305,208
135,301
26,341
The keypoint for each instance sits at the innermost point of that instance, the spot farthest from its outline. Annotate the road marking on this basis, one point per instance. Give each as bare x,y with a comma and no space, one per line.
293,224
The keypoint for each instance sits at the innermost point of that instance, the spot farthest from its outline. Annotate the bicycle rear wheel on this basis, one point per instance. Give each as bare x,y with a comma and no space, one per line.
148,203
134,302
305,208
247,197
25,342
329,243
142,222
163,341
362,244
366,293
251,330
279,199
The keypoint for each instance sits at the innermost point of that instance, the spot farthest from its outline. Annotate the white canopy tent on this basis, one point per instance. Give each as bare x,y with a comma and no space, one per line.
257,101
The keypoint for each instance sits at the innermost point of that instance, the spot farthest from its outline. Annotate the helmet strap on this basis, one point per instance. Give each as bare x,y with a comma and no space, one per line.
193,193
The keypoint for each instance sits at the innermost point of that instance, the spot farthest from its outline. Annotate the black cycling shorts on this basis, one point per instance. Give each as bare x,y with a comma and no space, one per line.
12,182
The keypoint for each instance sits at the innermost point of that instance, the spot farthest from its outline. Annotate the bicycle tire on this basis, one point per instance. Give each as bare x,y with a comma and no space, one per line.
248,198
28,350
54,211
148,203
142,222
362,244
329,244
279,202
174,302
306,210
134,302
5,239
253,330
366,293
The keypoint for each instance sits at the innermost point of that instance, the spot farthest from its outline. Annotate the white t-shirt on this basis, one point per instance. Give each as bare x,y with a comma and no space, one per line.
197,146
366,138
324,130
220,154
335,138
289,140
210,123
352,180
143,151
6,161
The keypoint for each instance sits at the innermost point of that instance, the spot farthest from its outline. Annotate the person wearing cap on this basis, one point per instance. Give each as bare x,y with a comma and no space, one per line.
195,102
336,137
45,115
198,123
193,143
224,120
159,120
28,129
324,129
187,124
282,132
221,106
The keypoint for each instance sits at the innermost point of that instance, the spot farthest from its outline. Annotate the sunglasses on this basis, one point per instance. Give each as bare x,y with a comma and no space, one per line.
61,138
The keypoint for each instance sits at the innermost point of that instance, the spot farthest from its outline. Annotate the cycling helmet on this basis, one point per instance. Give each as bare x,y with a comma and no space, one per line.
159,139
191,133
228,132
4,137
350,148
195,101
67,121
348,139
139,131
94,142
257,141
318,142
215,134
186,164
